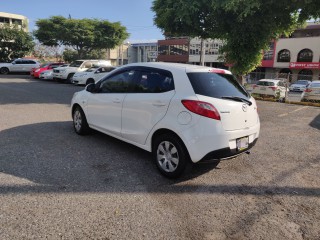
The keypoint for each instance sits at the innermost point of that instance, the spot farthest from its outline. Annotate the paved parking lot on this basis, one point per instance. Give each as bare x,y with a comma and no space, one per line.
55,184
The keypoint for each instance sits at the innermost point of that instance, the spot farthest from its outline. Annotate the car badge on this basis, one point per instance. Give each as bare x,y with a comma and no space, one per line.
244,107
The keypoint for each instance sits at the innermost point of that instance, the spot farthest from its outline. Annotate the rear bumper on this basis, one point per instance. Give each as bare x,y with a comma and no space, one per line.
226,153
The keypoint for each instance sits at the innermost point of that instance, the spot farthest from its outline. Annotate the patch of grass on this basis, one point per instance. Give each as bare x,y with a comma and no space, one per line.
314,104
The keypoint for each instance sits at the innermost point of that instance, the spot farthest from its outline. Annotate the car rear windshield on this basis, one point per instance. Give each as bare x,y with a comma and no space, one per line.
302,82
216,85
265,83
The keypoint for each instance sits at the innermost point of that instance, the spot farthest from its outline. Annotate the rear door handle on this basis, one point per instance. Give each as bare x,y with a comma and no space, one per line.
159,104
116,100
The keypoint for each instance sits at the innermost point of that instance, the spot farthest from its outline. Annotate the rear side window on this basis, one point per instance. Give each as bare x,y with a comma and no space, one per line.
154,81
216,85
264,83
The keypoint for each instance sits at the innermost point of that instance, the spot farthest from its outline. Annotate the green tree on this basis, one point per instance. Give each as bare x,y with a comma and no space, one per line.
83,35
247,27
70,55
14,42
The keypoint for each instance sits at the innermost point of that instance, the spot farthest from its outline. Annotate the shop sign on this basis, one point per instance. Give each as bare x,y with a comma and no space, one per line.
305,65
152,54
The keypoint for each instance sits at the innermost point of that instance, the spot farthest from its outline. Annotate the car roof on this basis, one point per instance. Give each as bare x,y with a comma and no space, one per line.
269,80
179,66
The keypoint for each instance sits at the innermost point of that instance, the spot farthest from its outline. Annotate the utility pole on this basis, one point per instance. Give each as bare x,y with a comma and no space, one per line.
202,52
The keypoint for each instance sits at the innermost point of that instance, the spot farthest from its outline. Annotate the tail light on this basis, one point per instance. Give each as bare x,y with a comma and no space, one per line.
254,86
273,88
308,90
202,108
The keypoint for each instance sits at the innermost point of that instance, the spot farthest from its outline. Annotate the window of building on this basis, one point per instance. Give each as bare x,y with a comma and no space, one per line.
163,50
4,20
305,55
284,56
17,21
305,74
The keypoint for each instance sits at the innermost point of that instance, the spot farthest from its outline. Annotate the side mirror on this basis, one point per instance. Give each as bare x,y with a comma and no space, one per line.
13,63
91,88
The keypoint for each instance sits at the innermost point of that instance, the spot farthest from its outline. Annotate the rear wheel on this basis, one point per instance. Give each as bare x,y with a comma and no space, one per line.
80,123
4,70
89,81
170,155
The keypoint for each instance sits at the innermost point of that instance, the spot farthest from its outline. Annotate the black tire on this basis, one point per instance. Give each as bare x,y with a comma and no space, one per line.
175,149
80,123
69,77
4,70
89,81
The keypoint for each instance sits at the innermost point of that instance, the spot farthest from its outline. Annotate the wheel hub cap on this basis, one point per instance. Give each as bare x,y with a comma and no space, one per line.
167,156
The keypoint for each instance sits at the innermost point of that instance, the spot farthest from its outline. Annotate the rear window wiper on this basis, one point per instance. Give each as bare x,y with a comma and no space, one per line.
239,99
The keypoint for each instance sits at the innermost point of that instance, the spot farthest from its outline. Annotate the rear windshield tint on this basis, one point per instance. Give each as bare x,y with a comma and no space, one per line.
263,83
302,82
216,85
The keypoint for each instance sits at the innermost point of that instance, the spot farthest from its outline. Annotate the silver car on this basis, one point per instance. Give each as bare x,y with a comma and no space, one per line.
19,65
299,86
312,92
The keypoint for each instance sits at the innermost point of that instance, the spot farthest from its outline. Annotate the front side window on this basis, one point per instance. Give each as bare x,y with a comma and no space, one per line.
154,81
105,69
117,83
76,64
216,85
29,62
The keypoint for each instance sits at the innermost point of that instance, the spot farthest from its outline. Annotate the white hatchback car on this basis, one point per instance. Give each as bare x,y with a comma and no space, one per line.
270,87
91,75
178,112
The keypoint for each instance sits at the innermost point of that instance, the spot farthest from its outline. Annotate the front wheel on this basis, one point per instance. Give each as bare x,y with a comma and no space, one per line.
80,123
170,155
69,78
89,81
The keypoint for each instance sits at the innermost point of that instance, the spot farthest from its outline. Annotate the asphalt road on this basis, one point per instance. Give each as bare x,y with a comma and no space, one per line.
55,184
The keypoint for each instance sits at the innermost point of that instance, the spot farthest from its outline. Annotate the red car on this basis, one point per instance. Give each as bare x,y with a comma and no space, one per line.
35,72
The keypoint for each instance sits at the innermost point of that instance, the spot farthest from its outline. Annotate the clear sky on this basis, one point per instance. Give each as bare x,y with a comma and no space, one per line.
136,15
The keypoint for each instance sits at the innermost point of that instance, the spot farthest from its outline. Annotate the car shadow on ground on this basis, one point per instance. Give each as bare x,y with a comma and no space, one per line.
51,158
316,122
36,91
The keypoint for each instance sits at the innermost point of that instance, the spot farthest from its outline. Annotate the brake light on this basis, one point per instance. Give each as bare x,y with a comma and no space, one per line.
202,108
273,88
308,90
215,70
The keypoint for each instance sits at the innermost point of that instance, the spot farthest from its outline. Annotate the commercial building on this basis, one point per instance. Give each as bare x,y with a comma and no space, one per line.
296,57
118,56
188,50
10,18
143,52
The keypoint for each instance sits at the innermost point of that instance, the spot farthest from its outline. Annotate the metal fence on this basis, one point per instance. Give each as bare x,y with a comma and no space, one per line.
253,77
